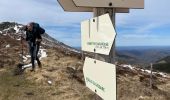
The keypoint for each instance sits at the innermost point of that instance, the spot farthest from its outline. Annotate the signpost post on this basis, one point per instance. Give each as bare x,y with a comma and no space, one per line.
111,12
99,8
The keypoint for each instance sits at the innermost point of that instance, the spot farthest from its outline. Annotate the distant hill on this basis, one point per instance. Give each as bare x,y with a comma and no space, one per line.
163,65
143,56
140,55
164,60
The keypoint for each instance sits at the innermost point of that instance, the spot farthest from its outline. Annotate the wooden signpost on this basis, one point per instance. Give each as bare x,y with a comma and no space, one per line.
110,3
100,8
69,5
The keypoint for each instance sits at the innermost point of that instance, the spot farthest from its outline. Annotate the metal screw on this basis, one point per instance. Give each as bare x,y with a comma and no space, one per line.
110,4
94,50
95,61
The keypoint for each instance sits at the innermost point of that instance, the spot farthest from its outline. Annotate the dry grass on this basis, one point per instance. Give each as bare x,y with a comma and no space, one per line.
65,73
35,86
131,88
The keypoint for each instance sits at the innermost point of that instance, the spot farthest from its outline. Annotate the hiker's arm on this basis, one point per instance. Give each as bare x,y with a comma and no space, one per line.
38,35
38,40
22,30
26,36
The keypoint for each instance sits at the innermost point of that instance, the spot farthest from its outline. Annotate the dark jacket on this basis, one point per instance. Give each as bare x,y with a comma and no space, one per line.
35,33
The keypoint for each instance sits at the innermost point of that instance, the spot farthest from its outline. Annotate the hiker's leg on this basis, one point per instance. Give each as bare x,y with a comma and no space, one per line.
33,56
31,49
37,50
39,63
37,47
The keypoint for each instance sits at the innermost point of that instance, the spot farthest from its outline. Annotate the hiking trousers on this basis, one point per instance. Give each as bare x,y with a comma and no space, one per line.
34,49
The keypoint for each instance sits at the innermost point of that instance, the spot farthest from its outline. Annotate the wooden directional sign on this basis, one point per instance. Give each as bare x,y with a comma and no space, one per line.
98,34
100,77
69,5
110,3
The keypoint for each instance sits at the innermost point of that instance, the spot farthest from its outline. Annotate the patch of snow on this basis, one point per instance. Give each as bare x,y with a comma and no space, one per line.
148,71
144,70
7,29
20,26
16,29
26,66
43,53
128,66
0,32
18,39
5,34
160,73
7,46
28,56
163,74
25,58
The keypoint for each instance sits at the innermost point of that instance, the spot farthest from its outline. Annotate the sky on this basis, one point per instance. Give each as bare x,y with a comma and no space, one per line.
141,27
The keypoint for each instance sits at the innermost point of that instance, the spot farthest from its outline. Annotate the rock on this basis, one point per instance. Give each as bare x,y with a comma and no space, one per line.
29,93
7,46
141,98
50,82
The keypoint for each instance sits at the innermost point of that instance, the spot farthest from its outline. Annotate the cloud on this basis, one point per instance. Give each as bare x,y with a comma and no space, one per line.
154,12
64,26
147,25
44,12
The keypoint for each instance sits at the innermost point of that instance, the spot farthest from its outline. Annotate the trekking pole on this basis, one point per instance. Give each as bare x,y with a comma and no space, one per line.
22,51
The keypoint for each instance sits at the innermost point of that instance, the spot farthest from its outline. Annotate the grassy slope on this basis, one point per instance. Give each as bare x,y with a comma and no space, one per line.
34,86
65,72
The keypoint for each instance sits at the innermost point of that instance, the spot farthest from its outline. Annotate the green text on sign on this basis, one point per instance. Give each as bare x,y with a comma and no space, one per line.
96,84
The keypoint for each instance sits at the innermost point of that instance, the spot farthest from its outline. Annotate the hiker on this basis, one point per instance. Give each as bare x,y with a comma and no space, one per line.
33,37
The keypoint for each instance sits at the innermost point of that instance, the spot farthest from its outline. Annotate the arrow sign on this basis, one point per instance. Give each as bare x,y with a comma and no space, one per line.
69,5
98,34
100,77
110,3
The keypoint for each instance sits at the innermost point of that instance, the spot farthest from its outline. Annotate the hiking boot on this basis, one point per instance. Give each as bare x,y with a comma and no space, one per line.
32,70
39,65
